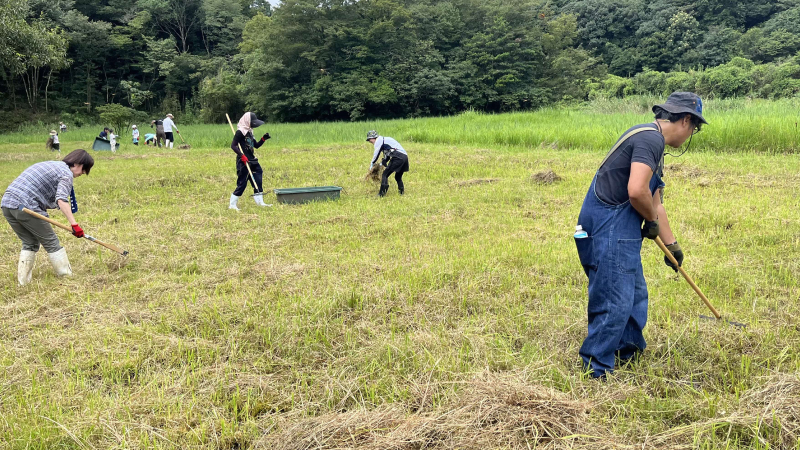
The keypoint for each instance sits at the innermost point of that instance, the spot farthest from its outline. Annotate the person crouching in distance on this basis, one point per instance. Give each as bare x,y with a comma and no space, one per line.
243,145
42,186
395,159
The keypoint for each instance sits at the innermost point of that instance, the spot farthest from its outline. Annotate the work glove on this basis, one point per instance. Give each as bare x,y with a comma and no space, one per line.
650,229
677,253
244,158
265,137
77,231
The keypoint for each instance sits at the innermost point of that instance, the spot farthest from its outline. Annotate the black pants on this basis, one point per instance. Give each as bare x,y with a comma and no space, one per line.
397,165
243,176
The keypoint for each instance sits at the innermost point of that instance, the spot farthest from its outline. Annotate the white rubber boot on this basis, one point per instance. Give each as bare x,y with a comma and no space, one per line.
27,260
166,143
259,198
234,201
60,263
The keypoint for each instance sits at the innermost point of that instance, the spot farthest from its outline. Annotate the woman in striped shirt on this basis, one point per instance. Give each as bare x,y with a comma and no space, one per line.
42,186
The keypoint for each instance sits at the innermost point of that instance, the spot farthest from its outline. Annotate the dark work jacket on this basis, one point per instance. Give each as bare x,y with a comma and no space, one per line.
247,143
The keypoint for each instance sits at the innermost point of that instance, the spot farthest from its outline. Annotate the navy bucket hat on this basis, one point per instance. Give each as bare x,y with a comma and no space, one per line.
683,102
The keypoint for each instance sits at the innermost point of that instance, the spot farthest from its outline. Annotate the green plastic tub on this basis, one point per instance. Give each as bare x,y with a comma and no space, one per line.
101,144
307,194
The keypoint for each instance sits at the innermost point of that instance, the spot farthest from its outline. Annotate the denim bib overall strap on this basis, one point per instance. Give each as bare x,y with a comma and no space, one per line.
611,259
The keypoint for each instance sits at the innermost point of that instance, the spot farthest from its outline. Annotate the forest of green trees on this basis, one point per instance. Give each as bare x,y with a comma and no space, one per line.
353,59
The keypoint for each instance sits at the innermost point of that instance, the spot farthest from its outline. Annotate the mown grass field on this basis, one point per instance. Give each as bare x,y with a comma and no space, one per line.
447,318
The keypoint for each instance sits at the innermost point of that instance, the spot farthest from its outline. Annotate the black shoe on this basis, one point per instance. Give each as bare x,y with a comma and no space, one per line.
384,189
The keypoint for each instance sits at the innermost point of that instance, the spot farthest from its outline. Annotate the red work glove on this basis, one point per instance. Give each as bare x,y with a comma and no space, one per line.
244,158
77,231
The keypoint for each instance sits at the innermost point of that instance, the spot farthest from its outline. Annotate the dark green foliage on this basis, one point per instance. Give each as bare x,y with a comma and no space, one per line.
118,117
351,60
739,77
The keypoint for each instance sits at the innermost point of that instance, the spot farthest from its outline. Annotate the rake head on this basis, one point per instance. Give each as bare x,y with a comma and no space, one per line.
730,322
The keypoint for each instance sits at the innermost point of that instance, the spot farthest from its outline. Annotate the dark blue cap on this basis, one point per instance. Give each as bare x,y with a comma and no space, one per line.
255,122
683,102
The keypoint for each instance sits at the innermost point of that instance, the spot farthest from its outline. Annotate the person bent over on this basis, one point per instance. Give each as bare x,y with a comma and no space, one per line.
244,145
624,206
395,159
160,136
42,186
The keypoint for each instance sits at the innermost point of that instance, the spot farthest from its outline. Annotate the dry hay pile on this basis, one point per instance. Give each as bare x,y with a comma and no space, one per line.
769,414
777,406
184,146
491,413
546,177
375,173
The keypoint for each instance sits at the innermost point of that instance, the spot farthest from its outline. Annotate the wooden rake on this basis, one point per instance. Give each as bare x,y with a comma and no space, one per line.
64,227
691,282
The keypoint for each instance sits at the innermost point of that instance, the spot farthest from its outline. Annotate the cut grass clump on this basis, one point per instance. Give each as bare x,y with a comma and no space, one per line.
375,173
545,177
491,412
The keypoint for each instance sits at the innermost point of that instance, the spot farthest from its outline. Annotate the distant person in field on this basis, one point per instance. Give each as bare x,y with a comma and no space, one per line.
112,138
160,136
149,139
53,143
395,159
624,205
135,134
168,127
104,134
244,145
42,186
63,127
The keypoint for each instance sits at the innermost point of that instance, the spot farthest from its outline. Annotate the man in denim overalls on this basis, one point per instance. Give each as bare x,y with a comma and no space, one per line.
626,192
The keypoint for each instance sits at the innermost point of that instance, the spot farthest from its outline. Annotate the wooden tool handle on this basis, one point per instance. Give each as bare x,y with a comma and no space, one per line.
47,219
111,247
689,280
64,227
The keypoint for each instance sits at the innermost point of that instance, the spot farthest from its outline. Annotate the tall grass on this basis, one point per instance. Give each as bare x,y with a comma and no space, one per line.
735,125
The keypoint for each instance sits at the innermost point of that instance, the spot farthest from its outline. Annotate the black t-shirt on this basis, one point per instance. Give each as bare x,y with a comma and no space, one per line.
247,144
646,147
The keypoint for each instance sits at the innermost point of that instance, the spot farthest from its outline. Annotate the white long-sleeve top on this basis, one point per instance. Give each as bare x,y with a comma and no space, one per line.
388,141
168,124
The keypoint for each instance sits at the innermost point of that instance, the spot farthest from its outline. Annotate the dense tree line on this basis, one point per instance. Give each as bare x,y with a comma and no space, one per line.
351,59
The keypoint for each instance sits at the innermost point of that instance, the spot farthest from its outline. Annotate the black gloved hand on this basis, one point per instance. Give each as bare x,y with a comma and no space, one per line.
265,137
650,229
677,253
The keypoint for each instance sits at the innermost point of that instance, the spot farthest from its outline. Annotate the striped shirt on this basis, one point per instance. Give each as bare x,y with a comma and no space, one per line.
379,142
40,187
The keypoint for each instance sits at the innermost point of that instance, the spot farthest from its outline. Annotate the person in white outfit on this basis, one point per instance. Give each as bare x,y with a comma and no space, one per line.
113,139
168,126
